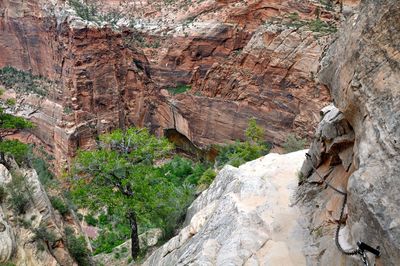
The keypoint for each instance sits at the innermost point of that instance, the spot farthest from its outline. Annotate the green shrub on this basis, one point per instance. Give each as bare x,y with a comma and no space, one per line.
292,143
240,152
23,81
7,264
19,194
59,205
8,121
42,233
179,89
3,194
207,177
254,133
111,236
19,202
90,220
11,101
180,170
77,247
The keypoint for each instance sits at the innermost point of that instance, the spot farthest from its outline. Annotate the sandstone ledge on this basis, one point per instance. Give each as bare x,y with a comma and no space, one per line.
246,217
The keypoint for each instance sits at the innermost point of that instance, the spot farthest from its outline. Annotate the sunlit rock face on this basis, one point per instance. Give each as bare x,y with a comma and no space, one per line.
246,217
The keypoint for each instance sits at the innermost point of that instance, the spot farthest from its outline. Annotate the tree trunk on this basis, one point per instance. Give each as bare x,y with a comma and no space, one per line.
134,235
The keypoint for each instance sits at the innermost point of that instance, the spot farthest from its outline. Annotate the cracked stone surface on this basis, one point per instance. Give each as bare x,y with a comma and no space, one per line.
246,217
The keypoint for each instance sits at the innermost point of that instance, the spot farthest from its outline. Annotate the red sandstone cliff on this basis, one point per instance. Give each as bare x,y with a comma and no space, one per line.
242,59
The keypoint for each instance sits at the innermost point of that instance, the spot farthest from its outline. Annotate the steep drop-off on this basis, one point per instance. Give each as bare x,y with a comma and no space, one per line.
246,217
241,59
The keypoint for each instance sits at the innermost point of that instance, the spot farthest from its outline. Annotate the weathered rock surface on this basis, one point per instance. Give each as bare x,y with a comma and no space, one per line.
362,69
245,217
17,238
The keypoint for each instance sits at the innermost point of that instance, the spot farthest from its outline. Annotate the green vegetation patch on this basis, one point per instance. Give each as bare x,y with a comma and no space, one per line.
293,143
77,247
240,152
23,82
16,149
317,25
179,89
120,181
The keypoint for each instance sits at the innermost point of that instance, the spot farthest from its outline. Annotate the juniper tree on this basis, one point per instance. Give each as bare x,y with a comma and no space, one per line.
120,175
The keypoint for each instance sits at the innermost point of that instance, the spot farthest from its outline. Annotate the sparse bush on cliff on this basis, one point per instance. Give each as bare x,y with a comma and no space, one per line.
85,11
77,247
240,152
293,20
179,89
19,193
11,102
292,143
90,11
46,177
59,205
23,82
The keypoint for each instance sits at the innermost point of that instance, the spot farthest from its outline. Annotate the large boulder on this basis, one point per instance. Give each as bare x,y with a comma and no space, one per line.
244,217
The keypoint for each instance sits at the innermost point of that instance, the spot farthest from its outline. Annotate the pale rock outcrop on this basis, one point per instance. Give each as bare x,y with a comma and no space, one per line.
362,70
246,217
17,242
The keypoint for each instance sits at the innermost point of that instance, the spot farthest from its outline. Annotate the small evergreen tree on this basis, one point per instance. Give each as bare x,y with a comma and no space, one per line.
120,176
254,133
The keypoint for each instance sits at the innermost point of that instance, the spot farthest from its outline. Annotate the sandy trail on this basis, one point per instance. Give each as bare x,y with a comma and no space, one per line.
284,219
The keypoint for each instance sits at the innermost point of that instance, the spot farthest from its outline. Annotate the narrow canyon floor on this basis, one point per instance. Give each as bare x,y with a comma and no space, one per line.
246,217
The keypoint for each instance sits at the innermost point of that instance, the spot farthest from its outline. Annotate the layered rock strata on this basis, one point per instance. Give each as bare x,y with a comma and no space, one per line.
237,63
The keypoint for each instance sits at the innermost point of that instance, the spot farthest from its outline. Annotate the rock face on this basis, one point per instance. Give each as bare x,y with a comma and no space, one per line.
362,70
238,64
245,217
17,238
95,80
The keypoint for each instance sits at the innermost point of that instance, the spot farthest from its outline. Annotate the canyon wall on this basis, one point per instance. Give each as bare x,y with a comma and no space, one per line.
240,59
357,145
34,235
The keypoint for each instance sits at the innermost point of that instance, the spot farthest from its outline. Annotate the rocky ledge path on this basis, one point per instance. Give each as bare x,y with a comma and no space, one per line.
246,217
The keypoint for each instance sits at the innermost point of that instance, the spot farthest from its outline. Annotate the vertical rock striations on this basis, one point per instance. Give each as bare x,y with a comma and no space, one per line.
242,59
362,69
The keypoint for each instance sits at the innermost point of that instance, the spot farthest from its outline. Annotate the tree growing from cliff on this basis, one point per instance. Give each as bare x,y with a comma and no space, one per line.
10,124
243,151
120,176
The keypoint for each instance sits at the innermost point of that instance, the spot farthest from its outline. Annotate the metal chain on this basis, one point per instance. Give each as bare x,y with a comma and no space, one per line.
346,252
344,194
